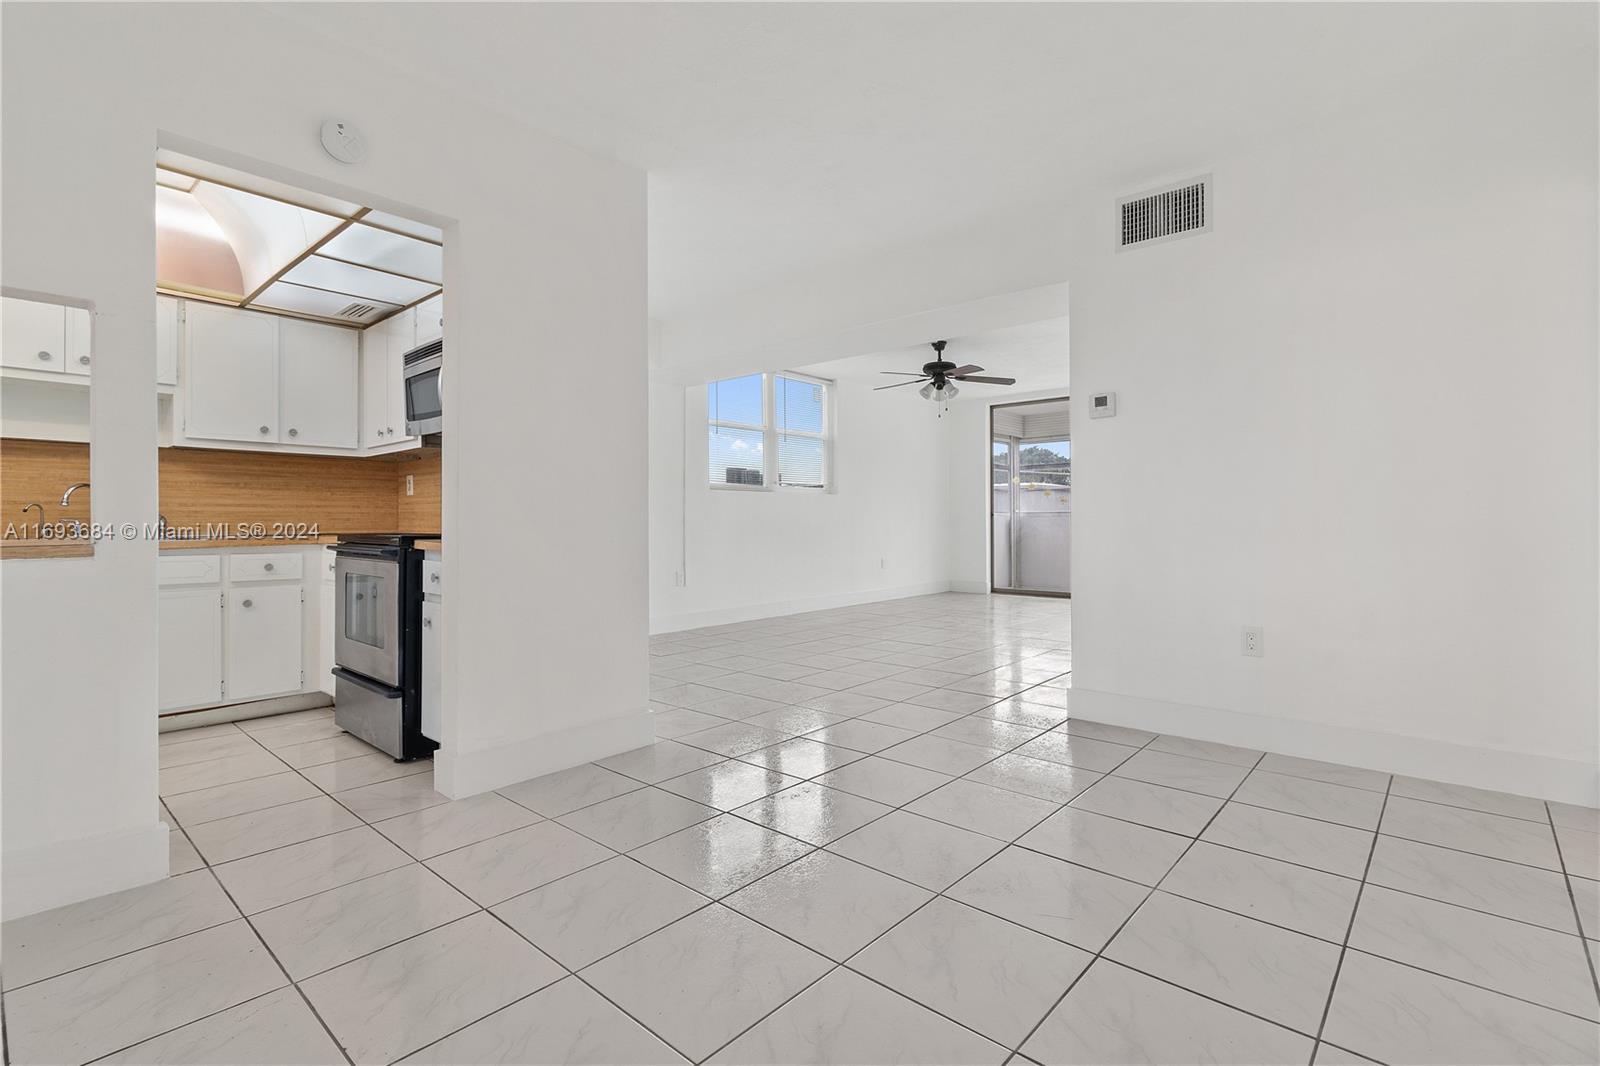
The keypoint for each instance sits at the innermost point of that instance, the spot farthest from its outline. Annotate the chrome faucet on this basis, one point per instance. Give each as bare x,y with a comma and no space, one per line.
35,506
66,497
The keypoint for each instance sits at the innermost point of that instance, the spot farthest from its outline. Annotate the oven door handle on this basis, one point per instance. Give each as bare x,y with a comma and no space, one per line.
363,552
367,683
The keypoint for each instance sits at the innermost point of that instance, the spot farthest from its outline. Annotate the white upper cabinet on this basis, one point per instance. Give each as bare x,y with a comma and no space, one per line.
79,341
33,335
166,340
231,374
430,319
383,382
375,420
318,382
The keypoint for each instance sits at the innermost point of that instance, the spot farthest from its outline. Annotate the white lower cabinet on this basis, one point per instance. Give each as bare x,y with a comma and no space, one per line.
264,641
432,624
190,621
325,618
235,626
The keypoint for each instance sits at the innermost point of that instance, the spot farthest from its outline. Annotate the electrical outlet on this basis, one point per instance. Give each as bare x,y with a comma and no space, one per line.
1251,644
677,578
883,563
411,485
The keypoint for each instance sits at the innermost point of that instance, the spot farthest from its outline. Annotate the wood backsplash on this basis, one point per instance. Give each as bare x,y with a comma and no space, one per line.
203,486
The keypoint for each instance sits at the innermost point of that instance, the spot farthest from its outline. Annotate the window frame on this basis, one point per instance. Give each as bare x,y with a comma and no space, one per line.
764,430
770,434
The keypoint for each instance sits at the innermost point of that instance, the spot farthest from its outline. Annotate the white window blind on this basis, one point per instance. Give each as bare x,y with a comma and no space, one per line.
800,410
768,431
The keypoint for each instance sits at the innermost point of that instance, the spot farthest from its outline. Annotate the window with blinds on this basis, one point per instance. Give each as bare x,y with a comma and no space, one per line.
736,414
768,431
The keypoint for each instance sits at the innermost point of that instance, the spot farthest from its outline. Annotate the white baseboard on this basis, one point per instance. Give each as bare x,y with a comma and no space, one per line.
979,587
1524,773
674,623
241,712
459,774
37,879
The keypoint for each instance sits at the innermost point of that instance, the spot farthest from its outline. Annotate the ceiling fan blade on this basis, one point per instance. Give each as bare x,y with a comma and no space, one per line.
984,380
960,370
897,384
902,373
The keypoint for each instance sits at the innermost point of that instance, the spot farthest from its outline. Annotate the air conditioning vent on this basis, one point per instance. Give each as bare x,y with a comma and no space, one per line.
1181,210
358,310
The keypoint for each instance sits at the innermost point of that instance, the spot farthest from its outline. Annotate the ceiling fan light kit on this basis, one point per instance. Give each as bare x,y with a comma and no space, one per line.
939,378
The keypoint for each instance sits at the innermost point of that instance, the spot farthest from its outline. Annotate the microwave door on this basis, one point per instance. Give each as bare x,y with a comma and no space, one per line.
424,409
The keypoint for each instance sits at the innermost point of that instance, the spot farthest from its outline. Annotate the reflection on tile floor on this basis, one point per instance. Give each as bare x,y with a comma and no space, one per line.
867,835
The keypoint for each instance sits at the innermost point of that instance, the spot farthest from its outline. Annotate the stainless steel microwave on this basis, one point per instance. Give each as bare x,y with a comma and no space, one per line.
424,368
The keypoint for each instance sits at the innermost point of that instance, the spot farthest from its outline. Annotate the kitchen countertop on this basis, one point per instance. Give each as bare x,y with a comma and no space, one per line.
48,548
430,545
83,548
178,544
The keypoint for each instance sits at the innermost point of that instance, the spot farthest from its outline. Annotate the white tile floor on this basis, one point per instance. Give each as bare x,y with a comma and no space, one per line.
867,835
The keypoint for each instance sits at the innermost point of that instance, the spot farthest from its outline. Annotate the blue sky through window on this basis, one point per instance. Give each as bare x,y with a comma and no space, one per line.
736,400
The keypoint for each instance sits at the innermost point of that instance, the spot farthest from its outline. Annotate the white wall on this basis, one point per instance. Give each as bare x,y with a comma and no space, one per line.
1361,413
756,554
545,654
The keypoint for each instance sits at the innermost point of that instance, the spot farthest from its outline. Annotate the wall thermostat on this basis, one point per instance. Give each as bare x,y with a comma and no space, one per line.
343,141
1103,405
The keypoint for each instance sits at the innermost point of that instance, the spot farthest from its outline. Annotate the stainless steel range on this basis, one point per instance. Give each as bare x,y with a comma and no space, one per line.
378,641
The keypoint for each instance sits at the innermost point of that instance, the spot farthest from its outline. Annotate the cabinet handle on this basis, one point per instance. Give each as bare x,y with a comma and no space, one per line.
249,603
428,622
264,429
433,578
391,431
83,360
294,432
267,568
44,356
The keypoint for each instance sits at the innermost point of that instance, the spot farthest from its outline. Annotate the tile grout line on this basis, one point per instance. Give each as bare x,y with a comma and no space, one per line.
1572,897
1355,910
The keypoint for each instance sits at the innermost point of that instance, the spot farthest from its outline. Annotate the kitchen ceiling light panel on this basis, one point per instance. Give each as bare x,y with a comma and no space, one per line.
358,281
255,183
173,180
384,250
284,296
266,234
399,224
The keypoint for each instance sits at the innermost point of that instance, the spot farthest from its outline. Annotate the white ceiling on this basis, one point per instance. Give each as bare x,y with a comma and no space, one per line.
781,138
1035,354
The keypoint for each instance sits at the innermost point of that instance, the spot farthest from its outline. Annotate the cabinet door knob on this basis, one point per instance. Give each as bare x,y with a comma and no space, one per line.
391,431
428,622
294,432
249,603
264,429
44,357
83,360
433,578
268,568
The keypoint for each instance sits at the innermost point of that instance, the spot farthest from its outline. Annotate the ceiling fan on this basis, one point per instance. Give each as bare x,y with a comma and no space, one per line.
940,377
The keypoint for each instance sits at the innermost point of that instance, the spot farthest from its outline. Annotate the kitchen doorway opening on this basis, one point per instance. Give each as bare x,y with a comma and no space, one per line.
1030,499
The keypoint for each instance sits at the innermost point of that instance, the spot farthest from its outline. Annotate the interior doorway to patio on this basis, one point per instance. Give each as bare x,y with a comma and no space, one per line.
1030,543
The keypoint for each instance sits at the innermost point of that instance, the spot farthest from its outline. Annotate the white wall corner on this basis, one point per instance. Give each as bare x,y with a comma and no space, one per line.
67,871
674,623
461,774
1524,773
